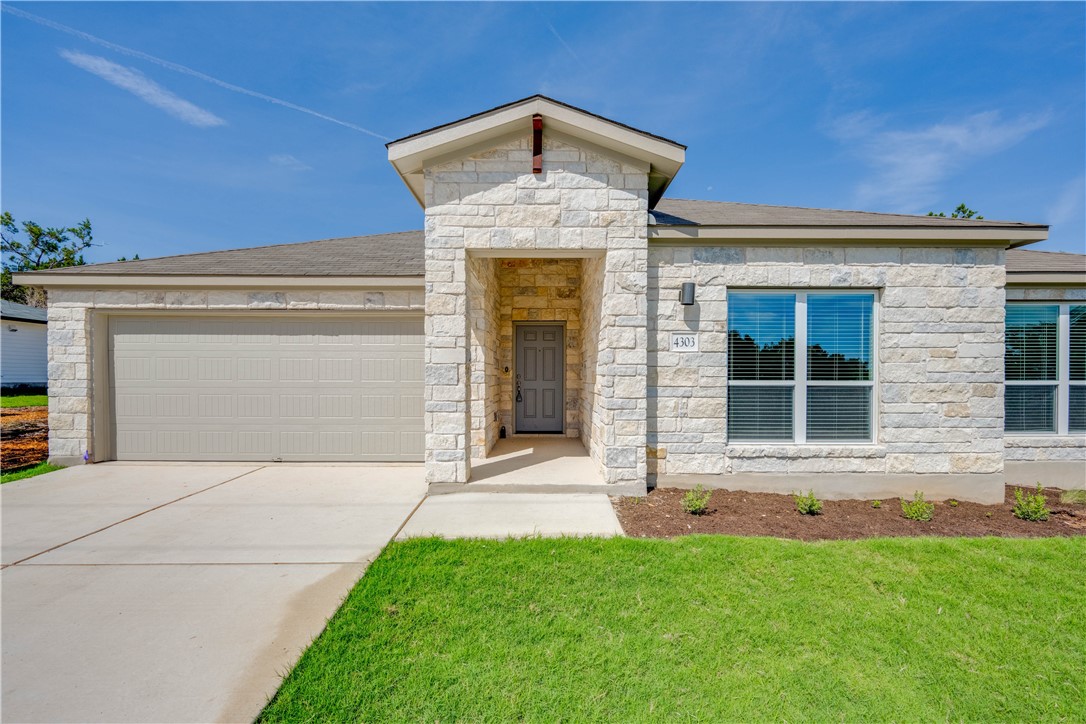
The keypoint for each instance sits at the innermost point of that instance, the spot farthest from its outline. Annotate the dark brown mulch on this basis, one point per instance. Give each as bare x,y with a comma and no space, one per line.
24,436
660,515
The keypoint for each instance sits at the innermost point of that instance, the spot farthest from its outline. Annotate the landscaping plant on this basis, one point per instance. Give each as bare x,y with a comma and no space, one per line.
917,508
876,504
1029,506
808,504
696,501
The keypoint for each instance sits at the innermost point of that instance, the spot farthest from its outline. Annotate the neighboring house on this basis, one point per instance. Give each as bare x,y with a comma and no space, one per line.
556,291
23,350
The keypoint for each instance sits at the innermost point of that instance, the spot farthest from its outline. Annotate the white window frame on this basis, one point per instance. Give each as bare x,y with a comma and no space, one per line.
1062,383
801,383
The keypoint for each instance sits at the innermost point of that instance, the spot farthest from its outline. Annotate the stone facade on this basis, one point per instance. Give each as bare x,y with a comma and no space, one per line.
939,391
582,204
72,339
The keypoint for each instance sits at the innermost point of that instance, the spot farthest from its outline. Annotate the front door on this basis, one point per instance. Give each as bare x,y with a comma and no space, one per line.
538,386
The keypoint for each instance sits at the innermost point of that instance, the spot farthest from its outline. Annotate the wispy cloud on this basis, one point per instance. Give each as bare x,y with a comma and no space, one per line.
554,32
285,160
144,88
177,67
1068,206
908,166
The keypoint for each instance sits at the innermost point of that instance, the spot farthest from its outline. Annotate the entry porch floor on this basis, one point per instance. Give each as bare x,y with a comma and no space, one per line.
533,464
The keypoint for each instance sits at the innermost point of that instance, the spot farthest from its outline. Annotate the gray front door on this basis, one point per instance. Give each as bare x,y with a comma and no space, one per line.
538,385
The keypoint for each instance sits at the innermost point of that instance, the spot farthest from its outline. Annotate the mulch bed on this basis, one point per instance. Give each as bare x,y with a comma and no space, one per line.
24,436
660,515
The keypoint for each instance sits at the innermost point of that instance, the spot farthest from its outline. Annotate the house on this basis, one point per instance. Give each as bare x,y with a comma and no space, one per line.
557,291
23,352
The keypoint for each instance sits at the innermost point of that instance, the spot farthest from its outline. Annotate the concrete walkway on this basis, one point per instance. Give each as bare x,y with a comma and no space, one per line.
179,593
513,515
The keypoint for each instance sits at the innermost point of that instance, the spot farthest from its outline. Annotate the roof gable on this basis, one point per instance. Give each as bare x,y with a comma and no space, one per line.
411,154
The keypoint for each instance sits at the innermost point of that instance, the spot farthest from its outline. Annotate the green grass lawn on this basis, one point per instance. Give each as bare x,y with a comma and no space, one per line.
704,628
24,473
24,401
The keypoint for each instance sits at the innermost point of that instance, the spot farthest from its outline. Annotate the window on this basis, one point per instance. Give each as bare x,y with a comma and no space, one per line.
1045,364
800,366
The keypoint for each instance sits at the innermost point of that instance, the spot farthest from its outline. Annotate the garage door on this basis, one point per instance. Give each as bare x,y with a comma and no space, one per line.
266,388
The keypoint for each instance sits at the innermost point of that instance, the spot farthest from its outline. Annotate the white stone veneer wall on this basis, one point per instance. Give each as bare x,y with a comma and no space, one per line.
1053,448
71,339
940,358
592,426
485,316
583,204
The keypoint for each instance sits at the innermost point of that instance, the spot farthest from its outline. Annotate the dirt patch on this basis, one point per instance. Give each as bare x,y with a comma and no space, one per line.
24,436
660,515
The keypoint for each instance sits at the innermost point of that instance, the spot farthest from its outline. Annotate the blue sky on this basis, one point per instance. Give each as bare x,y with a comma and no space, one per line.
884,107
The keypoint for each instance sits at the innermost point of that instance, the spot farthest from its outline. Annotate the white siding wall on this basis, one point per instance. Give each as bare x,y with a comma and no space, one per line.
23,356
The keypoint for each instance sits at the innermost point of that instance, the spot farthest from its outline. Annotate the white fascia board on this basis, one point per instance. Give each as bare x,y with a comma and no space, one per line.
1046,279
1012,236
150,281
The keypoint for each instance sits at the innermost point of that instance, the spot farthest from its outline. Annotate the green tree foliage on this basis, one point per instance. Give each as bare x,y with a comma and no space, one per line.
962,212
38,248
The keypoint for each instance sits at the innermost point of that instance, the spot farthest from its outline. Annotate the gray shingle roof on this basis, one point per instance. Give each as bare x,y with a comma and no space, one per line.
381,255
22,312
686,212
401,254
1027,261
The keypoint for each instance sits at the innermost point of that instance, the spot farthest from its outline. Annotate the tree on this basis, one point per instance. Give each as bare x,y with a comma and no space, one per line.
43,248
962,212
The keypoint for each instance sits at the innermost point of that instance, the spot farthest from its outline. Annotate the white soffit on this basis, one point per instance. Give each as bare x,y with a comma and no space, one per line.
410,155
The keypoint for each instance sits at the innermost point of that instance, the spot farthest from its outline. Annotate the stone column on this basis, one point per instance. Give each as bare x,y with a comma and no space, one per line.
447,412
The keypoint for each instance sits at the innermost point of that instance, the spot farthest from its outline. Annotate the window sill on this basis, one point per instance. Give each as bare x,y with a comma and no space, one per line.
805,450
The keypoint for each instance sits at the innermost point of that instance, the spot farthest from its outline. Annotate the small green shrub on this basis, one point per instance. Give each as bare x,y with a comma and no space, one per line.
917,508
952,503
696,501
808,504
876,504
1029,506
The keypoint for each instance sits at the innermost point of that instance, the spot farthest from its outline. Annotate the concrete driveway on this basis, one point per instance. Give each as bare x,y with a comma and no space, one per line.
180,592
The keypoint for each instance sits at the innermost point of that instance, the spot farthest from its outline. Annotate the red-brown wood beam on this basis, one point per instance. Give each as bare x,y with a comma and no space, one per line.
537,143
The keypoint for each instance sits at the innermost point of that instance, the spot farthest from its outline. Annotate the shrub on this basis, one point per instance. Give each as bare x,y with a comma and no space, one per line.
1073,497
876,503
952,503
917,508
696,501
808,504
1030,506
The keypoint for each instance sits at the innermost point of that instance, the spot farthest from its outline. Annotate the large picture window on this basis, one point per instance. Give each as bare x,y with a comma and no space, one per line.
800,366
1045,365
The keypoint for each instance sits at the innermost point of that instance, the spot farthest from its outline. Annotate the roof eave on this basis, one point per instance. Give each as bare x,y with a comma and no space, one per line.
107,280
1012,236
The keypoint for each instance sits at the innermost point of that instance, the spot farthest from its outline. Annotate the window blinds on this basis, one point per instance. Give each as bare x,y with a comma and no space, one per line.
1032,342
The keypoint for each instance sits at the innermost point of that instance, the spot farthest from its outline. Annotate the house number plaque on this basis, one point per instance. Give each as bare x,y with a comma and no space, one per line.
684,342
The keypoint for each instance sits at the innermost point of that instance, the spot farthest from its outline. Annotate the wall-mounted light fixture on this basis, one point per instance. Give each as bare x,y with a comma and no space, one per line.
687,295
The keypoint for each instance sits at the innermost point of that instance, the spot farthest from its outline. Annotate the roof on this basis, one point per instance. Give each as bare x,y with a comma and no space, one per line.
22,312
398,254
536,97
409,155
1026,261
401,254
687,212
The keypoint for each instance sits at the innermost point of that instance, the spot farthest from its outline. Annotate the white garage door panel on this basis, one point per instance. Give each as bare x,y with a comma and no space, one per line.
236,388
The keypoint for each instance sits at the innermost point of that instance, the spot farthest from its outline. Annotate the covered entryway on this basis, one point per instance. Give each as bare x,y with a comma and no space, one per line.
266,388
